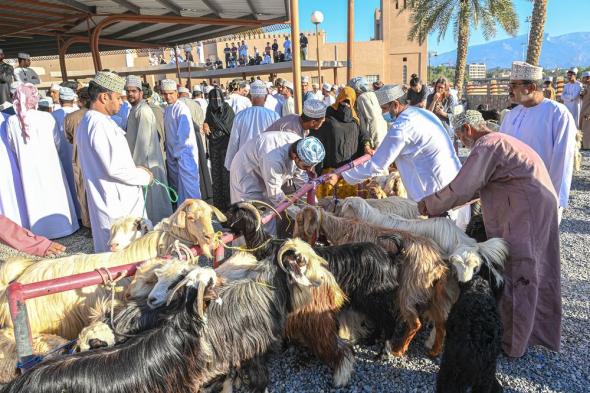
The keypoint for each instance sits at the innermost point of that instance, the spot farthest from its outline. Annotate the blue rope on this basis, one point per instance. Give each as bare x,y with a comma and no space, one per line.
38,359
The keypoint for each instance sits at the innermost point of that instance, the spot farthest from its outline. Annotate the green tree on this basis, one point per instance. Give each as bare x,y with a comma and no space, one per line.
427,16
536,34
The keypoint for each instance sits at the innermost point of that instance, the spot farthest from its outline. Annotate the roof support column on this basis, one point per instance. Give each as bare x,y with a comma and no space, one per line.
296,55
62,59
350,40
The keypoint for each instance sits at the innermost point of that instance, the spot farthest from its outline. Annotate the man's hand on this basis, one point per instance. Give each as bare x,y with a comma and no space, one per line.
205,130
332,179
422,208
149,173
369,150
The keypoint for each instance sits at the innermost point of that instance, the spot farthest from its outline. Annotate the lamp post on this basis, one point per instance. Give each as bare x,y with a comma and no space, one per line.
430,54
187,50
316,18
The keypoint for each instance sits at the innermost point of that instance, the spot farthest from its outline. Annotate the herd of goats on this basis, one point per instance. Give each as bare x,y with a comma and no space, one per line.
356,271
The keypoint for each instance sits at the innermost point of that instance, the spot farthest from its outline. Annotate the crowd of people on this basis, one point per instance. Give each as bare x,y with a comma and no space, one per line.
114,148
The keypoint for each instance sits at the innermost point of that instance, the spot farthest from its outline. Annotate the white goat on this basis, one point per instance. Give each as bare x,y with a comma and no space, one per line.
66,313
126,230
398,206
463,251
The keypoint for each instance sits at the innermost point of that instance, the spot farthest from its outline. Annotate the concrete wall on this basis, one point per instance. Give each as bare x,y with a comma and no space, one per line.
498,102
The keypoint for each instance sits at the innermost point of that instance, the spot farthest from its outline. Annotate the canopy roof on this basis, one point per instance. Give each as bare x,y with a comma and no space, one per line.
40,27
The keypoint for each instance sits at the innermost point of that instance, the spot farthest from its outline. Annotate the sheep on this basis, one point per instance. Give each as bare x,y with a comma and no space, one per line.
66,313
474,338
453,241
364,271
424,278
125,230
166,359
390,206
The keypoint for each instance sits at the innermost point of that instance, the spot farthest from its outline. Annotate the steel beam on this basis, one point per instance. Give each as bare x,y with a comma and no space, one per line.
214,9
170,6
18,8
78,5
129,6
50,23
255,12
57,6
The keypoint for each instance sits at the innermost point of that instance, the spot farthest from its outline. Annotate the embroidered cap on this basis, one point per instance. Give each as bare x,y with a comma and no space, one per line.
586,74
360,84
327,86
23,56
67,94
574,70
109,81
522,71
169,85
133,81
55,87
197,88
183,89
288,85
470,117
310,150
305,79
258,88
314,109
45,102
389,93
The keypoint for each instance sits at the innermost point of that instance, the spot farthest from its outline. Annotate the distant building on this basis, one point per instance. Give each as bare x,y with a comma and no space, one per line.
477,71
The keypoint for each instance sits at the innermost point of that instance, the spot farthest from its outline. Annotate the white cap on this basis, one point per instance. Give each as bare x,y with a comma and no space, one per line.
45,102
389,93
67,94
133,81
258,88
288,85
169,85
55,87
522,71
314,109
586,74
574,70
327,86
305,79
549,79
23,56
207,89
183,89
197,88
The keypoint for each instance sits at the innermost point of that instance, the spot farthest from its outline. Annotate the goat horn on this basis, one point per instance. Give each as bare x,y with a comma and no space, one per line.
269,206
250,207
200,297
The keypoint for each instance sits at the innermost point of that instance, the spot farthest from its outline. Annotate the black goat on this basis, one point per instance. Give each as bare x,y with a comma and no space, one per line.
473,340
365,272
162,360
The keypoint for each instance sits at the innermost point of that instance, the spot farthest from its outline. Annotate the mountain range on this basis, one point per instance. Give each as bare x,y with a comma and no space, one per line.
562,51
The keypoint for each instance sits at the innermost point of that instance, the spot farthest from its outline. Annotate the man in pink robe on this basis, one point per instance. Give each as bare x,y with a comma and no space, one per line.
26,241
519,204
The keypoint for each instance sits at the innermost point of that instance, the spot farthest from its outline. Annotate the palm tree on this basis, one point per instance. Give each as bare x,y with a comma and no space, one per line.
428,16
536,35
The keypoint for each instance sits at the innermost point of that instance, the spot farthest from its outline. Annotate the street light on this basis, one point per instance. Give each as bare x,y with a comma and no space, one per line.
188,48
430,54
316,18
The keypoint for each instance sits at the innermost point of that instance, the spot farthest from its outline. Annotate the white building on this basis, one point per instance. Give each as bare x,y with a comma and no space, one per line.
477,71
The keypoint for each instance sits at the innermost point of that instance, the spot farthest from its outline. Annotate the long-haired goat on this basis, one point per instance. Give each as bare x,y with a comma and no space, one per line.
391,206
126,230
365,272
424,278
474,338
386,186
66,313
166,359
455,243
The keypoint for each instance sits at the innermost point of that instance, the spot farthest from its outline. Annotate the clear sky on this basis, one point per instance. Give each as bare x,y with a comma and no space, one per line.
563,16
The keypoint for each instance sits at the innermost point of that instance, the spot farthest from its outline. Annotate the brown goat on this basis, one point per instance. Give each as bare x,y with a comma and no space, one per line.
425,279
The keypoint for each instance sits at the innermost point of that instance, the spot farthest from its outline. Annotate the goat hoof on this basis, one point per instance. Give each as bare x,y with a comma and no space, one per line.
433,354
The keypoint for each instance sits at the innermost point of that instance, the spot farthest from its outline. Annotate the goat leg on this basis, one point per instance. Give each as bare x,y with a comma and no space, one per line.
411,331
439,327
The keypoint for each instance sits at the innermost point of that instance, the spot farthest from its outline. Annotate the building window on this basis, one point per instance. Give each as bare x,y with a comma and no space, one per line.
372,78
405,59
405,74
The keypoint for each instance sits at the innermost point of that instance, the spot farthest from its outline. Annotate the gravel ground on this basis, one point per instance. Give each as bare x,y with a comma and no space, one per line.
538,371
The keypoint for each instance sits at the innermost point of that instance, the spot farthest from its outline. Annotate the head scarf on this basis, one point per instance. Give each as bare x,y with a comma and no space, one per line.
220,116
25,99
347,94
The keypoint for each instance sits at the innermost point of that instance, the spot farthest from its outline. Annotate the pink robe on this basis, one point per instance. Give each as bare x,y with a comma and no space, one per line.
22,239
520,205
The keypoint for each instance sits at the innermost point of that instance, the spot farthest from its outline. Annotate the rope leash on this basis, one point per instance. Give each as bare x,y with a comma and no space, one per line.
39,358
171,193
111,283
219,234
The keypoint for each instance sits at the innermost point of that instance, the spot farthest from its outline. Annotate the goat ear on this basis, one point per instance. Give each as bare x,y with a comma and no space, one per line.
180,219
218,214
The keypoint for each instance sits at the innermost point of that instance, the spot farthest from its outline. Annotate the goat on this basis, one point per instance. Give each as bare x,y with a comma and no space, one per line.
451,239
66,313
365,272
125,230
385,186
474,338
166,359
476,228
393,205
424,278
